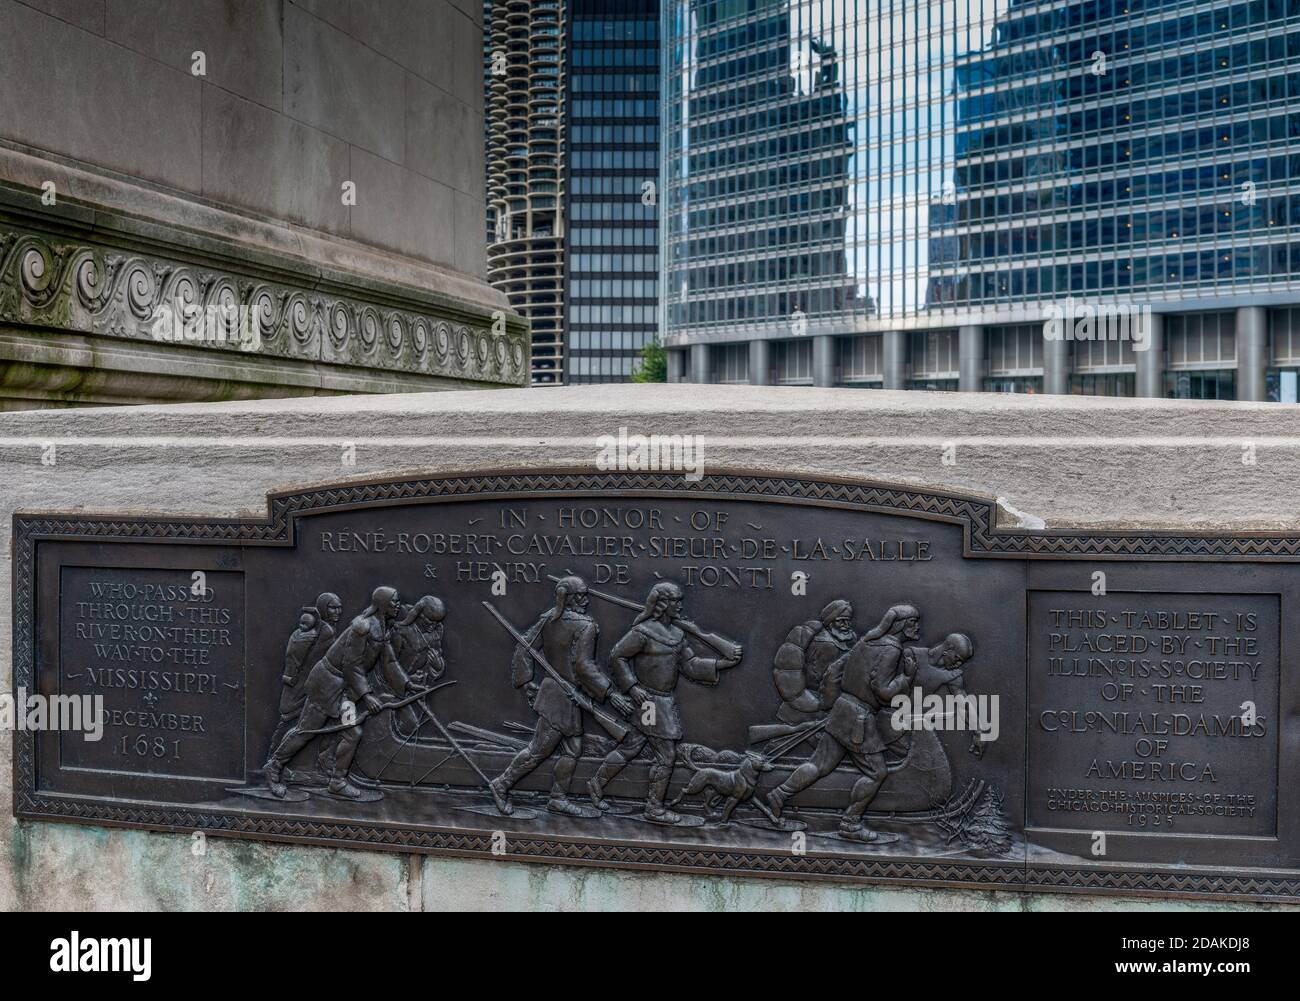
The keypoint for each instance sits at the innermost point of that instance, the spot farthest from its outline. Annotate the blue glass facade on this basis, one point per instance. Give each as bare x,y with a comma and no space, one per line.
612,112
845,169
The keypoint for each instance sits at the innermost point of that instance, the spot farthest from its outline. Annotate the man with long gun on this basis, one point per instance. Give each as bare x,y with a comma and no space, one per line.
646,664
343,670
571,685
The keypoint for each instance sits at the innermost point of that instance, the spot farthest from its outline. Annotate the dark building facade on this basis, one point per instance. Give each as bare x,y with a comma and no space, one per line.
1064,197
613,186
573,142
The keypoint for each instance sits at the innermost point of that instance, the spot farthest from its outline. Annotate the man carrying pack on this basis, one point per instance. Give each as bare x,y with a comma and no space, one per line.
342,671
856,687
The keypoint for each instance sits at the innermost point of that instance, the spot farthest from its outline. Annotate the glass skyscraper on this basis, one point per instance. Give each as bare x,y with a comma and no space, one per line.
613,180
573,172
899,193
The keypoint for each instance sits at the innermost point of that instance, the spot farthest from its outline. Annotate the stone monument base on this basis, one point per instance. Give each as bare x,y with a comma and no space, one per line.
121,293
1056,464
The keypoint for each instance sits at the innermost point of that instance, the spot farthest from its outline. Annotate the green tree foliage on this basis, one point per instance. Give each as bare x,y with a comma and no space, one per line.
653,366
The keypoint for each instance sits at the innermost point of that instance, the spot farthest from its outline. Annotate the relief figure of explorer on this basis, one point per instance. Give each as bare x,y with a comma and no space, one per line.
645,665
856,687
342,671
566,636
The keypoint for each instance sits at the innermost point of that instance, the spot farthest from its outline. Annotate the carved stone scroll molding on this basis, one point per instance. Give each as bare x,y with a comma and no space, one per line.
82,287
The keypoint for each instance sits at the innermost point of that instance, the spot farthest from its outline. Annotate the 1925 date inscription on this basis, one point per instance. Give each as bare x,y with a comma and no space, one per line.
731,673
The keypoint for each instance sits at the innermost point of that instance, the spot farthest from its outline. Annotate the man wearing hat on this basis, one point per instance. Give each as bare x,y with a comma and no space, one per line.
804,658
417,660
566,636
856,687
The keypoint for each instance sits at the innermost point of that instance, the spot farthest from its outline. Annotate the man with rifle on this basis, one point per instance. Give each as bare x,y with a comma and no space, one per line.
565,637
646,664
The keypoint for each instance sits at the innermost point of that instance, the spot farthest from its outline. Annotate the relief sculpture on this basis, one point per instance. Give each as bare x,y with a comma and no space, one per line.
342,674
566,635
599,708
646,665
767,675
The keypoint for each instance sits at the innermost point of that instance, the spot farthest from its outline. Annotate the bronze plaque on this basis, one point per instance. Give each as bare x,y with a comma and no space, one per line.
735,674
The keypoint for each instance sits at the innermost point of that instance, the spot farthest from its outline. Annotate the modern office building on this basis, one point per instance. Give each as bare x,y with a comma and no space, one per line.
573,174
613,186
902,194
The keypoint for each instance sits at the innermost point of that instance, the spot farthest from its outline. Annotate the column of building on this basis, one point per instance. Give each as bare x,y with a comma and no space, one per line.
693,364
1150,361
1252,353
971,362
1056,366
